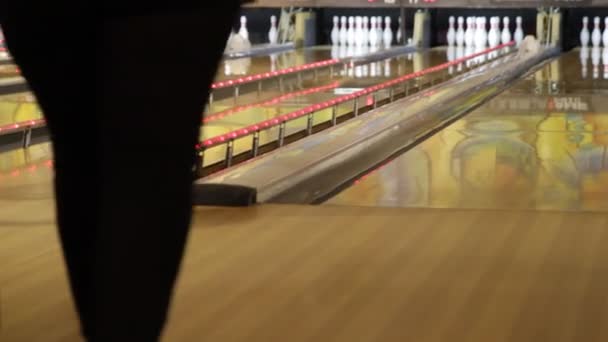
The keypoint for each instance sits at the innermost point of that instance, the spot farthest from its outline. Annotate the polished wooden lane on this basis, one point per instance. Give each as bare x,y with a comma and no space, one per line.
542,152
302,273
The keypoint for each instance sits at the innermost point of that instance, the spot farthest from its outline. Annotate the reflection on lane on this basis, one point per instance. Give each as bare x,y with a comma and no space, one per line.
19,107
344,82
235,68
549,151
26,174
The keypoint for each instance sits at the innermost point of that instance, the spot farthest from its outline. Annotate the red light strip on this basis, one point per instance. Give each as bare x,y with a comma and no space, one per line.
220,139
48,164
30,124
25,125
274,101
21,126
271,74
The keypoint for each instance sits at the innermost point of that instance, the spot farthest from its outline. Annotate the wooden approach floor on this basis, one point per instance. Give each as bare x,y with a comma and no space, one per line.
299,273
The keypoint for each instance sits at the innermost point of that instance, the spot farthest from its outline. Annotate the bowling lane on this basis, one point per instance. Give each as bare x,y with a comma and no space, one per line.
19,107
25,180
221,118
239,67
26,172
542,145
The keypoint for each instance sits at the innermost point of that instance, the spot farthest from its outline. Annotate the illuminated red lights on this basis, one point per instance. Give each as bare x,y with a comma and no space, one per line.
20,126
218,140
48,164
223,114
266,75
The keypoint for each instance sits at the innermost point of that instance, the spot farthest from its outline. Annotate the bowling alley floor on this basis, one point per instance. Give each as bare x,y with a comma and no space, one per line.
492,230
319,273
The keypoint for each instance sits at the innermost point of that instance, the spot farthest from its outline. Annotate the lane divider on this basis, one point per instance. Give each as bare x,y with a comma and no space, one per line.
31,124
26,127
21,126
272,74
274,101
282,119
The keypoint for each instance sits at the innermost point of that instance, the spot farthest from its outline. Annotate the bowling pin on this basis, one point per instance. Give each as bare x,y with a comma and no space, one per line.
451,55
585,33
343,51
273,34
274,61
451,35
335,51
373,33
351,31
605,62
469,34
274,58
365,31
388,33
243,30
343,31
584,58
335,32
387,68
481,36
459,55
484,23
596,34
380,31
519,32
359,31
505,36
605,34
460,32
596,55
493,35
350,52
400,32
469,50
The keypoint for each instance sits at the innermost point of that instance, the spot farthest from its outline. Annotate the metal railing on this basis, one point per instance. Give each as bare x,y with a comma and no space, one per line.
26,127
221,115
259,78
253,130
298,71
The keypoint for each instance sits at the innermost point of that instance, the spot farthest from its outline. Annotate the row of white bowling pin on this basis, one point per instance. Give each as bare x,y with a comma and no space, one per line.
458,52
273,33
363,31
476,35
343,51
596,55
376,69
597,37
